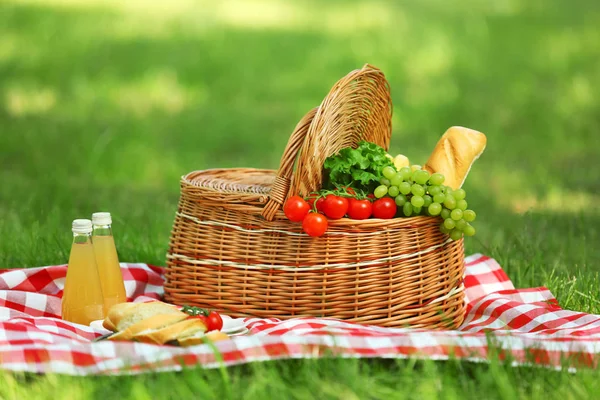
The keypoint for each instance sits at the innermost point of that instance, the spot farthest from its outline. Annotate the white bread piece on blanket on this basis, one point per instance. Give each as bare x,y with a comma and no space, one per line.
122,315
186,328
148,325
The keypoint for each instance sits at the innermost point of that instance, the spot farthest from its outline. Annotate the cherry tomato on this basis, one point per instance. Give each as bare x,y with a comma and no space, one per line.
359,209
315,224
296,208
335,207
320,204
384,208
320,201
215,322
371,196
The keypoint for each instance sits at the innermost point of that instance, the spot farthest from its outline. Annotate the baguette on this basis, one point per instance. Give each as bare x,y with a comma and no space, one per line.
113,313
455,153
123,315
148,325
185,328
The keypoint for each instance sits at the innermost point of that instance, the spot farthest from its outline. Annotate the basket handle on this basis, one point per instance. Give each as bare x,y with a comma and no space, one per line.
281,185
358,107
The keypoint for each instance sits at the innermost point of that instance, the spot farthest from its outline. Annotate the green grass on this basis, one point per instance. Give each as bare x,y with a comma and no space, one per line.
324,379
103,106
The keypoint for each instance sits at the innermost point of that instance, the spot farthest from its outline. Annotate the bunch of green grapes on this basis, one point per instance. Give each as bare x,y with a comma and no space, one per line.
416,192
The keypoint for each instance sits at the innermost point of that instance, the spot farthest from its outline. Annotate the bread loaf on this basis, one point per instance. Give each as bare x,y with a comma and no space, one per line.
148,325
455,153
122,315
115,313
182,329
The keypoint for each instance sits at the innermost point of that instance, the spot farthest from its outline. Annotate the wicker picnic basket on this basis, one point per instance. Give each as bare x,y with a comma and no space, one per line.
232,249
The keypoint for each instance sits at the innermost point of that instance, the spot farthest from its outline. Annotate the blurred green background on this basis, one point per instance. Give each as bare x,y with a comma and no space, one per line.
104,104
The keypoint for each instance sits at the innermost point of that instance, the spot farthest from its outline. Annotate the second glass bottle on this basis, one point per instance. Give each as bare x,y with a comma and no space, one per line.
111,278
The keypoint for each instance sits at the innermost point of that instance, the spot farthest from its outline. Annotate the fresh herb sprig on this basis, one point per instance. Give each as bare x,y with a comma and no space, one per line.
195,311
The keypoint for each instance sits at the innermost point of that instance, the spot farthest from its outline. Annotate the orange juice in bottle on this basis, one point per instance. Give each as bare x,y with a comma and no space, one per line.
109,269
82,300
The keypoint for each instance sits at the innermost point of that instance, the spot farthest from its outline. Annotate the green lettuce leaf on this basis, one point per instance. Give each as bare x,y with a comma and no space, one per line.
359,168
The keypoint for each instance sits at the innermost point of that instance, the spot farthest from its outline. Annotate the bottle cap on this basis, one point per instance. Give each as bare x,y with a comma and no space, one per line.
101,218
82,226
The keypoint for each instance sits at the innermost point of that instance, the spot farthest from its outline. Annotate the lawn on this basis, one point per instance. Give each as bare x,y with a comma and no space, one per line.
104,104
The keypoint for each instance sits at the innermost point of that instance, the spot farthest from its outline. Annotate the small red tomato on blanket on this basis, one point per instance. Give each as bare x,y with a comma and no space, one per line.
296,208
211,319
215,322
359,209
315,224
335,207
384,208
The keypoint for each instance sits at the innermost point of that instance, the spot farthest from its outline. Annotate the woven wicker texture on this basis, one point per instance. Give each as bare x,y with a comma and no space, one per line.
232,249
358,107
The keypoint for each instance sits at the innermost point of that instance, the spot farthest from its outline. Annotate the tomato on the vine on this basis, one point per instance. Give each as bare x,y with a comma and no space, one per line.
319,200
296,208
359,209
384,208
315,224
335,207
320,204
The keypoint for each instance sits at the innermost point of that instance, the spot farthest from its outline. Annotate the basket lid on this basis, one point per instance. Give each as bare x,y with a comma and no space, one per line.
229,185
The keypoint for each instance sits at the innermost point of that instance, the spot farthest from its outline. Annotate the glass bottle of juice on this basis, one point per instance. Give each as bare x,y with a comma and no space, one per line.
109,269
82,300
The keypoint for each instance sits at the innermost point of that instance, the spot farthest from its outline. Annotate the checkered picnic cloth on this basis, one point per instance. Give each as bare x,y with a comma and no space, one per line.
528,327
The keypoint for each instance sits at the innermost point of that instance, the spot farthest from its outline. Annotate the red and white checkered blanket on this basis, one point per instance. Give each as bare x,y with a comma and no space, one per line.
528,327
